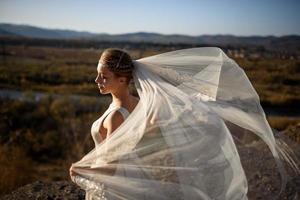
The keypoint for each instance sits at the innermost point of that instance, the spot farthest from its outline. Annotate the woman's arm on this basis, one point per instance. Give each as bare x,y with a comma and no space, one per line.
111,123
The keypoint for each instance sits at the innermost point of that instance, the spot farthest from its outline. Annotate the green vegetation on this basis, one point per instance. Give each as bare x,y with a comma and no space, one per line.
43,138
276,81
35,134
50,70
16,168
72,71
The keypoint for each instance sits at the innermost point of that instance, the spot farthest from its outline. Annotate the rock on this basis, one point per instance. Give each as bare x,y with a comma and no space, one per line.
258,163
262,174
50,191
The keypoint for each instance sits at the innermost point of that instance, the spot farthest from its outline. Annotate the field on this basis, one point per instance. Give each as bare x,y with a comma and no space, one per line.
41,138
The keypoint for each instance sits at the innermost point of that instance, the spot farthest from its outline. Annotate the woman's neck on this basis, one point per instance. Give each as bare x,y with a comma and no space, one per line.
122,99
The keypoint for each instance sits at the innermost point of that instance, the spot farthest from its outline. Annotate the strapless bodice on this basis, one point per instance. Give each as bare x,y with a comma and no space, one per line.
95,129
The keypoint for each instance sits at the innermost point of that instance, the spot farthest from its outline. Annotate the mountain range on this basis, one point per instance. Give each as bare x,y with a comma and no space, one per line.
290,41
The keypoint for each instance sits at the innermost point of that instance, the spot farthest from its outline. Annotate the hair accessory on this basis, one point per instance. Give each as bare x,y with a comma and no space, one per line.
120,59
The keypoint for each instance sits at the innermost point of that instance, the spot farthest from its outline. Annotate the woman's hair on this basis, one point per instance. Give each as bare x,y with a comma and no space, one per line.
119,62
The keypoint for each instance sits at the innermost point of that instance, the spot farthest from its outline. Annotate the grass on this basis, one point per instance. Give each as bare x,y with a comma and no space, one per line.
282,123
45,138
70,70
290,126
16,167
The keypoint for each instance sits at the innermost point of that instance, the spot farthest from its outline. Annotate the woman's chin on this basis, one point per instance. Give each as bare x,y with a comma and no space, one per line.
102,91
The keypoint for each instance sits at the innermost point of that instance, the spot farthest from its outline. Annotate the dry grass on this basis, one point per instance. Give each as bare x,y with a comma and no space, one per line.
282,123
68,70
16,169
62,70
290,126
293,132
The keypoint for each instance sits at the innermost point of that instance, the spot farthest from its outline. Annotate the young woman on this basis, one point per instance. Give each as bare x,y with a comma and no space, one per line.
114,73
172,142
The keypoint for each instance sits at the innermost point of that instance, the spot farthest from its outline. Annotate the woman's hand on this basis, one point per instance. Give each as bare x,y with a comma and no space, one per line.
72,173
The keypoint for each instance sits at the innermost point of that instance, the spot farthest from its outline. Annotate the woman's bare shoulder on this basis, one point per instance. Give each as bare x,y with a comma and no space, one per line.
113,121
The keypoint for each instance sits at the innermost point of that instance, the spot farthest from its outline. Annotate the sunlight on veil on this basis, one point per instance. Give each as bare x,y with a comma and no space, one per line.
176,144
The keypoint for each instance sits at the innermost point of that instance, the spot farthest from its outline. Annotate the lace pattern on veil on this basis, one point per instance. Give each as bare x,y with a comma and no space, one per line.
175,144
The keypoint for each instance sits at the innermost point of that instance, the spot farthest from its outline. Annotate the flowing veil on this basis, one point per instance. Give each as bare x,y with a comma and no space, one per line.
177,144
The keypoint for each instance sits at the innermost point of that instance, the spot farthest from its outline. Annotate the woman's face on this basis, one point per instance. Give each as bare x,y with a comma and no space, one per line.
106,80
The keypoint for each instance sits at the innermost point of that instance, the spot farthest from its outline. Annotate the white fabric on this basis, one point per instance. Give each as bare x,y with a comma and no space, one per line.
176,144
95,129
124,112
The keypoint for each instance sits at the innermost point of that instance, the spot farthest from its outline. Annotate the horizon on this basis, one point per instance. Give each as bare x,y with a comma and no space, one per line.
113,34
189,18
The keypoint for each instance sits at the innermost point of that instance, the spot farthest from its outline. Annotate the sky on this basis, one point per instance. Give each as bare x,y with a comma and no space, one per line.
188,17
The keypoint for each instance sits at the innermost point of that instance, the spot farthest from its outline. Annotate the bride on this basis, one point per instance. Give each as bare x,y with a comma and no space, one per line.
173,142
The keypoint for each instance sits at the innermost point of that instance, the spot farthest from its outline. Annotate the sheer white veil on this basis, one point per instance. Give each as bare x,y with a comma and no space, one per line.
177,144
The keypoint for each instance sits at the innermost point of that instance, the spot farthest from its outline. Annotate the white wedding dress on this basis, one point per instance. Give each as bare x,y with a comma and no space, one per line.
175,144
97,124
97,190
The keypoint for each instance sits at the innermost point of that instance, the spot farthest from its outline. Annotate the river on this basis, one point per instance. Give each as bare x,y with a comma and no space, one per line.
37,96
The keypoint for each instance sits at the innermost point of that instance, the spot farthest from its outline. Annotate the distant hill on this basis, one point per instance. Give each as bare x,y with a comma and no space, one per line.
272,42
36,32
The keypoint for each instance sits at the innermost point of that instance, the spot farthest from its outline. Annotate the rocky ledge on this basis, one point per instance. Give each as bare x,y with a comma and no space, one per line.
47,191
259,165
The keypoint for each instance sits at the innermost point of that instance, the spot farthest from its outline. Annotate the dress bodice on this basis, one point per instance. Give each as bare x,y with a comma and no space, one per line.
95,129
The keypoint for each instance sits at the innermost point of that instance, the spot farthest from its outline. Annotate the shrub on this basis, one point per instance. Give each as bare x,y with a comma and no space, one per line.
16,168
